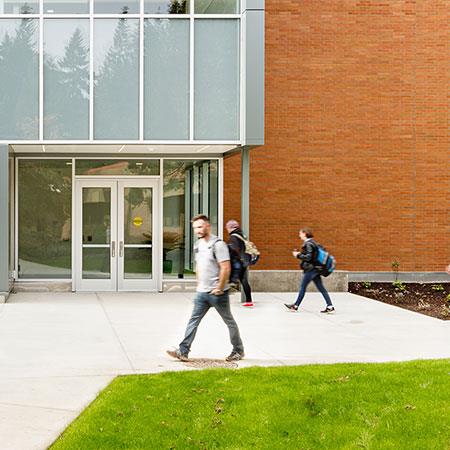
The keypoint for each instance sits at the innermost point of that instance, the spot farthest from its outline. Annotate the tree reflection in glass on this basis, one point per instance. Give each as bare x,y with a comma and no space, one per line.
116,65
66,79
166,7
19,79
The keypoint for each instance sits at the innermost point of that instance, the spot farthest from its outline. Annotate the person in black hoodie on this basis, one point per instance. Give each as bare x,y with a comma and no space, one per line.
236,246
310,272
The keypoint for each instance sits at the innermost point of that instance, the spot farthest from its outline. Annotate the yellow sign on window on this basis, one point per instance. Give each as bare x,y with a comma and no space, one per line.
137,221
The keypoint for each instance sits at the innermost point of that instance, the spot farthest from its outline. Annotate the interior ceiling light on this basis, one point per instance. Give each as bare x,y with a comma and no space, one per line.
121,148
150,149
43,148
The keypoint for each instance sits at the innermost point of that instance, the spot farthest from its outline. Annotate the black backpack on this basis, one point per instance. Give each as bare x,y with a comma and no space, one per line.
235,262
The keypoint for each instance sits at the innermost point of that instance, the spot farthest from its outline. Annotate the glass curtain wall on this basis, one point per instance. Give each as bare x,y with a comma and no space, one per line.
45,217
116,71
190,188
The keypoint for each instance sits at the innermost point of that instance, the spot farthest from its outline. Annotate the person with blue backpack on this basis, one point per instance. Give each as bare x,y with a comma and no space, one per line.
312,269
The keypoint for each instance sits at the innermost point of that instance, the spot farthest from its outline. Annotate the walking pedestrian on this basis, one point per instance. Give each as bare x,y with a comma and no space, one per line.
213,270
236,245
310,272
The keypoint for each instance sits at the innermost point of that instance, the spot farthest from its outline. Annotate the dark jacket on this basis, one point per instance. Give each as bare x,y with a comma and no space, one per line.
308,255
237,246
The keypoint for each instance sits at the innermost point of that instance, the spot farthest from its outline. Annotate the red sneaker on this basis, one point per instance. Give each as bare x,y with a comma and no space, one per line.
248,304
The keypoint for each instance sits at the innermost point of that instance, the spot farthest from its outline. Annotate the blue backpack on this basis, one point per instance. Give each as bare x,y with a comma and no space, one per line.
325,262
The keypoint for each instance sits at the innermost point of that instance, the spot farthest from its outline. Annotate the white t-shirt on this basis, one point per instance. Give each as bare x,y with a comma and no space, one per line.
207,266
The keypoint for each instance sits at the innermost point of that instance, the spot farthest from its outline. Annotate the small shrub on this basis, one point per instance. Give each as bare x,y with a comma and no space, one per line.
447,299
437,287
395,264
399,286
367,284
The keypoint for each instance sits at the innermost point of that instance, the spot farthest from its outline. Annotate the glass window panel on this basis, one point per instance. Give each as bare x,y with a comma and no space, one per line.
66,6
116,89
45,207
96,216
166,81
138,216
138,263
214,195
66,79
116,6
11,208
216,6
117,167
216,102
96,263
19,79
166,7
19,7
183,187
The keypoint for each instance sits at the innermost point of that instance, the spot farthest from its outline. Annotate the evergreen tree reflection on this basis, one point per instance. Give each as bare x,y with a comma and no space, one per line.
19,102
67,91
117,85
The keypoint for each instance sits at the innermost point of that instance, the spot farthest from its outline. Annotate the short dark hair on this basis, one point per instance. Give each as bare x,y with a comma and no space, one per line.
200,217
308,232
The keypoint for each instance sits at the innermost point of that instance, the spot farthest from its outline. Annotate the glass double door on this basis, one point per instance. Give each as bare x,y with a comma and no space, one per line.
117,245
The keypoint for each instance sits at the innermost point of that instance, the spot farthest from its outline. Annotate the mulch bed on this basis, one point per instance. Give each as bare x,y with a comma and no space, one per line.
432,299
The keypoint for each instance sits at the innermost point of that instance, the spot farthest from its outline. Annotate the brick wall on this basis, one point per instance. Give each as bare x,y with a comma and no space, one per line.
357,134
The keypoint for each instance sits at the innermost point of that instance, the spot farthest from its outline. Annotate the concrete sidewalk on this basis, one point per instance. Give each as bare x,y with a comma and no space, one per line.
57,351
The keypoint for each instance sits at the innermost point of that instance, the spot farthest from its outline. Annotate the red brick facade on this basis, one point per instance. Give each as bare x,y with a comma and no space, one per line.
357,134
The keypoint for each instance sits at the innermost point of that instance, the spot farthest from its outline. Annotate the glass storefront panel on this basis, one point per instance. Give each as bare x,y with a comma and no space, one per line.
44,222
117,167
116,7
96,216
190,188
137,263
166,7
96,263
66,79
116,89
19,79
216,102
216,6
66,7
11,207
137,216
166,79
19,7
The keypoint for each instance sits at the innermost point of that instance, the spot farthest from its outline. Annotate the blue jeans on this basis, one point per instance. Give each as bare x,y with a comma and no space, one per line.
313,276
202,302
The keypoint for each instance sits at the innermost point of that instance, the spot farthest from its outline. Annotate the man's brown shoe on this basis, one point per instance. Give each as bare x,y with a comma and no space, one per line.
175,353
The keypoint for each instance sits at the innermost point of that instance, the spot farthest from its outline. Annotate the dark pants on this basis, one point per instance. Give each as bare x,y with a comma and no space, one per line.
313,276
243,278
202,302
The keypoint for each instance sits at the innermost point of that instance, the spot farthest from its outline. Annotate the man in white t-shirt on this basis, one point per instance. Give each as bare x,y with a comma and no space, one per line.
213,270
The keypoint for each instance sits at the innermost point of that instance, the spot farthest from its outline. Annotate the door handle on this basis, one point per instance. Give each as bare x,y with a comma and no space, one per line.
113,249
121,249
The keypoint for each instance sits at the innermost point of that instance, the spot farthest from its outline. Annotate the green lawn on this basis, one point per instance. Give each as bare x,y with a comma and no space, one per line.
343,406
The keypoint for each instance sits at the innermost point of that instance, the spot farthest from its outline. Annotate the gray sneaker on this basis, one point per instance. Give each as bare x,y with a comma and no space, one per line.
175,353
234,356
